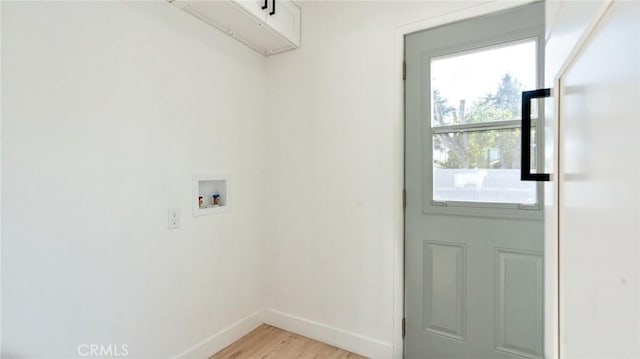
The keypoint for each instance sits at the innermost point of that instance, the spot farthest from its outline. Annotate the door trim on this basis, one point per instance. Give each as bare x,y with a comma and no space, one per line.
399,150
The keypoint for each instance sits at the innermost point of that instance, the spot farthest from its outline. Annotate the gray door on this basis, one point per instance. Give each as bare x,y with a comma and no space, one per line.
473,231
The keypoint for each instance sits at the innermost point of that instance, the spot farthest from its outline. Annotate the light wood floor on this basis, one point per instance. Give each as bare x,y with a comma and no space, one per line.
274,343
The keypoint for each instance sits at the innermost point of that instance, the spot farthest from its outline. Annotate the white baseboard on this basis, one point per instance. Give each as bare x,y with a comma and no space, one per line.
223,338
353,342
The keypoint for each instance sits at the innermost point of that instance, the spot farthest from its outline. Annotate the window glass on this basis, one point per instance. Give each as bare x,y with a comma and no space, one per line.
478,159
480,166
482,86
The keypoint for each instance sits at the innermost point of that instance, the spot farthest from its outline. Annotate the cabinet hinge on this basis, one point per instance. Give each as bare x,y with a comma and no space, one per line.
404,328
404,199
404,70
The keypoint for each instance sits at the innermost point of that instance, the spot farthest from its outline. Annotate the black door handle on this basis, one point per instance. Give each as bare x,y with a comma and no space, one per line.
265,5
273,9
525,144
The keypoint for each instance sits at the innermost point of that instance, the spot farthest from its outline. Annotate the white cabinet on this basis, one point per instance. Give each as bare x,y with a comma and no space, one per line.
267,26
285,19
255,8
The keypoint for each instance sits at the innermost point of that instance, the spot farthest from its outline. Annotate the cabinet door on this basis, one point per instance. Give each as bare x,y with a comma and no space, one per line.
285,19
254,8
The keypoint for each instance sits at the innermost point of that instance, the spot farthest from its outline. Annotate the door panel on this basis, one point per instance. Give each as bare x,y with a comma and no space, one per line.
519,320
473,270
444,285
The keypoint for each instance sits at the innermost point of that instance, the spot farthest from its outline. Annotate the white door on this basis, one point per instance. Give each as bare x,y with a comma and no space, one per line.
473,231
594,53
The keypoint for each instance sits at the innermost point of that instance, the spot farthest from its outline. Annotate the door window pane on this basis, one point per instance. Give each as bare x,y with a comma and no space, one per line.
478,160
480,166
482,86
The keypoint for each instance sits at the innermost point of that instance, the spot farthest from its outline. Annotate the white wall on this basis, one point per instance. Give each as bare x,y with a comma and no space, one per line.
335,153
108,110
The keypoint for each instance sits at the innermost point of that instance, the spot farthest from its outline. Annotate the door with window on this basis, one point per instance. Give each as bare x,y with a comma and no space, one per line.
473,231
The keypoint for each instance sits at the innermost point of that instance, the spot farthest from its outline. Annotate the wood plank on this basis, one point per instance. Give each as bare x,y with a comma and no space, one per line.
269,342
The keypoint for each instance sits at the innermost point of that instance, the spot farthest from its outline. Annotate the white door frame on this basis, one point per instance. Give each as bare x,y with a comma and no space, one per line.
398,244
578,33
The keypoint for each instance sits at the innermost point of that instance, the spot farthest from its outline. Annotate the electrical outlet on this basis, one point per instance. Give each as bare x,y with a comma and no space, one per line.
174,218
